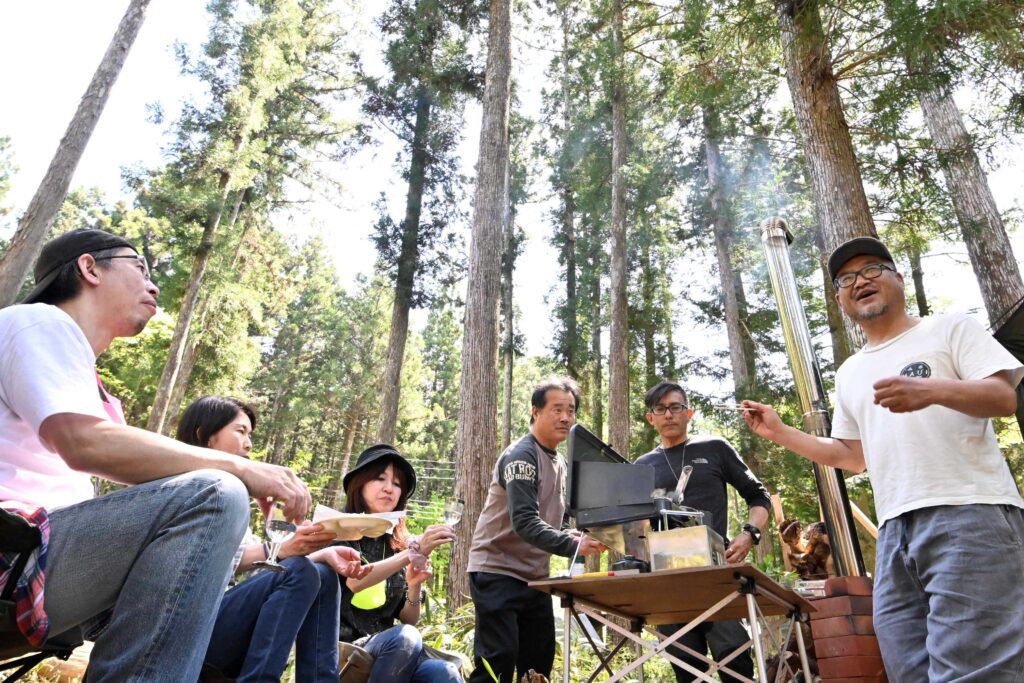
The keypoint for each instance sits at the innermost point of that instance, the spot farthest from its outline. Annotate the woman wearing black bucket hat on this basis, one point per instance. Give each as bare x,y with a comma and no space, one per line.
382,481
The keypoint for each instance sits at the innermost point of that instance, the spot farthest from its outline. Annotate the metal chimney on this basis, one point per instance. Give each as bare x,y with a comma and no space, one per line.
775,240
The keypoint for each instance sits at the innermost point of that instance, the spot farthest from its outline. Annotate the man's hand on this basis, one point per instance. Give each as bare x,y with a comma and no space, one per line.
903,394
739,548
308,538
591,546
763,420
343,560
266,482
434,536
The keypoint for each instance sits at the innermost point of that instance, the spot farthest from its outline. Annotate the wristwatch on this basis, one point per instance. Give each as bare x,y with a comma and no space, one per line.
754,532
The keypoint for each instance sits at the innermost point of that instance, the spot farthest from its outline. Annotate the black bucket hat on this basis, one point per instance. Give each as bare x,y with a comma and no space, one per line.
383,451
62,250
858,246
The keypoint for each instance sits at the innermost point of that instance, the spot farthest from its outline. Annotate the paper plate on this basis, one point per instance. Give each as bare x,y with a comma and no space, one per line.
353,528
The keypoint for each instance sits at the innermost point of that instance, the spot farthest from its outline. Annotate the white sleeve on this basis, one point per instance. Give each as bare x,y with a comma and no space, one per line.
49,369
844,426
977,354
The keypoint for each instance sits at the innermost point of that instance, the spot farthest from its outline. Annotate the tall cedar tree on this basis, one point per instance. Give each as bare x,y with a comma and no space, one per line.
34,226
477,436
421,101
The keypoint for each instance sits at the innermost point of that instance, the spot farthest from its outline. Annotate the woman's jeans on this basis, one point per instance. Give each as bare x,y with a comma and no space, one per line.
261,617
398,658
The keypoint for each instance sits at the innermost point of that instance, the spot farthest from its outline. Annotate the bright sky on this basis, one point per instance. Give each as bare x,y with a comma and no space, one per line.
50,50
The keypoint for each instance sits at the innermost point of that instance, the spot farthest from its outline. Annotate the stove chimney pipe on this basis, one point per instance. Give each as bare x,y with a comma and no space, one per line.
775,240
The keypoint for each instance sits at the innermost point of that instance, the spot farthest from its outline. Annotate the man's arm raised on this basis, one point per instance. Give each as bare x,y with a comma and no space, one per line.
766,423
132,456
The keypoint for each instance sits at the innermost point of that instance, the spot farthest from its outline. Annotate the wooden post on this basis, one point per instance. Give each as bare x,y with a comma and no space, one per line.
864,520
777,510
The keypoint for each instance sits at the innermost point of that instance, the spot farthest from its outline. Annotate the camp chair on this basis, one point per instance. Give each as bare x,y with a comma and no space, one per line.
18,535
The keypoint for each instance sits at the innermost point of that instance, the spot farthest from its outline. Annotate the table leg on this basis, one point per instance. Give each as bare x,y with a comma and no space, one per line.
801,648
566,637
755,633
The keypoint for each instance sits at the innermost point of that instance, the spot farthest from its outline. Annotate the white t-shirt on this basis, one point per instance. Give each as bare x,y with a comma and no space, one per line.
46,367
934,456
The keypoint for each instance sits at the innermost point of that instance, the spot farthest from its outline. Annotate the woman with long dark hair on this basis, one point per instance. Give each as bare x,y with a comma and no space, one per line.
260,618
382,481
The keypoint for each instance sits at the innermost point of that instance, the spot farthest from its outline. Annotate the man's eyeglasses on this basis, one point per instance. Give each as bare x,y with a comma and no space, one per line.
867,272
143,266
674,408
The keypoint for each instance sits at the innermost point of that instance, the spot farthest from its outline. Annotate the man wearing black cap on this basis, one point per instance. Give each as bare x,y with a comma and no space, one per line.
523,523
145,565
913,407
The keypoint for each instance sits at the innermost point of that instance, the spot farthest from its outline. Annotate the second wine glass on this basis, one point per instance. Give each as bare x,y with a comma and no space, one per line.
279,529
453,511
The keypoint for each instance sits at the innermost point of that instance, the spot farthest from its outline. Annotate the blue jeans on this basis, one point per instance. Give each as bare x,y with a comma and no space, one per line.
261,617
398,658
152,562
948,598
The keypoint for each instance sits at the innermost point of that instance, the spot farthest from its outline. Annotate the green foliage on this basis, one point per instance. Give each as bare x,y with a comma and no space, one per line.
7,169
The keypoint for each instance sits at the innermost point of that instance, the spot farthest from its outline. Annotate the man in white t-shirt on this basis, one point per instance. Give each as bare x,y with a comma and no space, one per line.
146,565
913,407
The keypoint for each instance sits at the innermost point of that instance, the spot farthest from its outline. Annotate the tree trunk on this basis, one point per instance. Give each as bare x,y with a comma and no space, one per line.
980,223
597,372
840,201
917,273
35,223
618,352
647,324
835,176
175,354
741,346
508,355
568,210
837,322
476,434
195,341
350,439
408,263
667,298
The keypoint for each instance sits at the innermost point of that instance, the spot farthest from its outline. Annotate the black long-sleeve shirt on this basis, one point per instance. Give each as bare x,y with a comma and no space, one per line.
715,463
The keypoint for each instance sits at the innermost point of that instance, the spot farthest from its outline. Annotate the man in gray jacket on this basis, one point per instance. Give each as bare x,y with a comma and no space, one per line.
524,522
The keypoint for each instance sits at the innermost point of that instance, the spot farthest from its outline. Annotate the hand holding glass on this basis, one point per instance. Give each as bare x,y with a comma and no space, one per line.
279,529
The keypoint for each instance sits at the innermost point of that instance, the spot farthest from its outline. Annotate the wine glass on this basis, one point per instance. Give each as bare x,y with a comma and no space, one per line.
279,529
453,511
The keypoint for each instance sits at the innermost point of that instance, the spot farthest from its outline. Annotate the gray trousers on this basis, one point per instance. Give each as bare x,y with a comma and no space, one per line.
949,595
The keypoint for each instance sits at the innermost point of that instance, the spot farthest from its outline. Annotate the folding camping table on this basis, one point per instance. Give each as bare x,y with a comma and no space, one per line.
680,596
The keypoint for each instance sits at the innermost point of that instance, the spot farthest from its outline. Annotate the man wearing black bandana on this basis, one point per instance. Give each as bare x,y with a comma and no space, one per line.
715,463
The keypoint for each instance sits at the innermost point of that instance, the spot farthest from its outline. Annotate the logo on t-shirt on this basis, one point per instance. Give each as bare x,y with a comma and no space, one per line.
700,461
918,369
517,470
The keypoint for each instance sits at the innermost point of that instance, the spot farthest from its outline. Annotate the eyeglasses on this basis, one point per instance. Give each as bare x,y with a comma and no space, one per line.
674,408
867,272
143,266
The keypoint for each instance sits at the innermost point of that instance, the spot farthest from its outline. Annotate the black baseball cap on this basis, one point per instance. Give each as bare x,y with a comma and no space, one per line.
62,250
382,451
858,246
